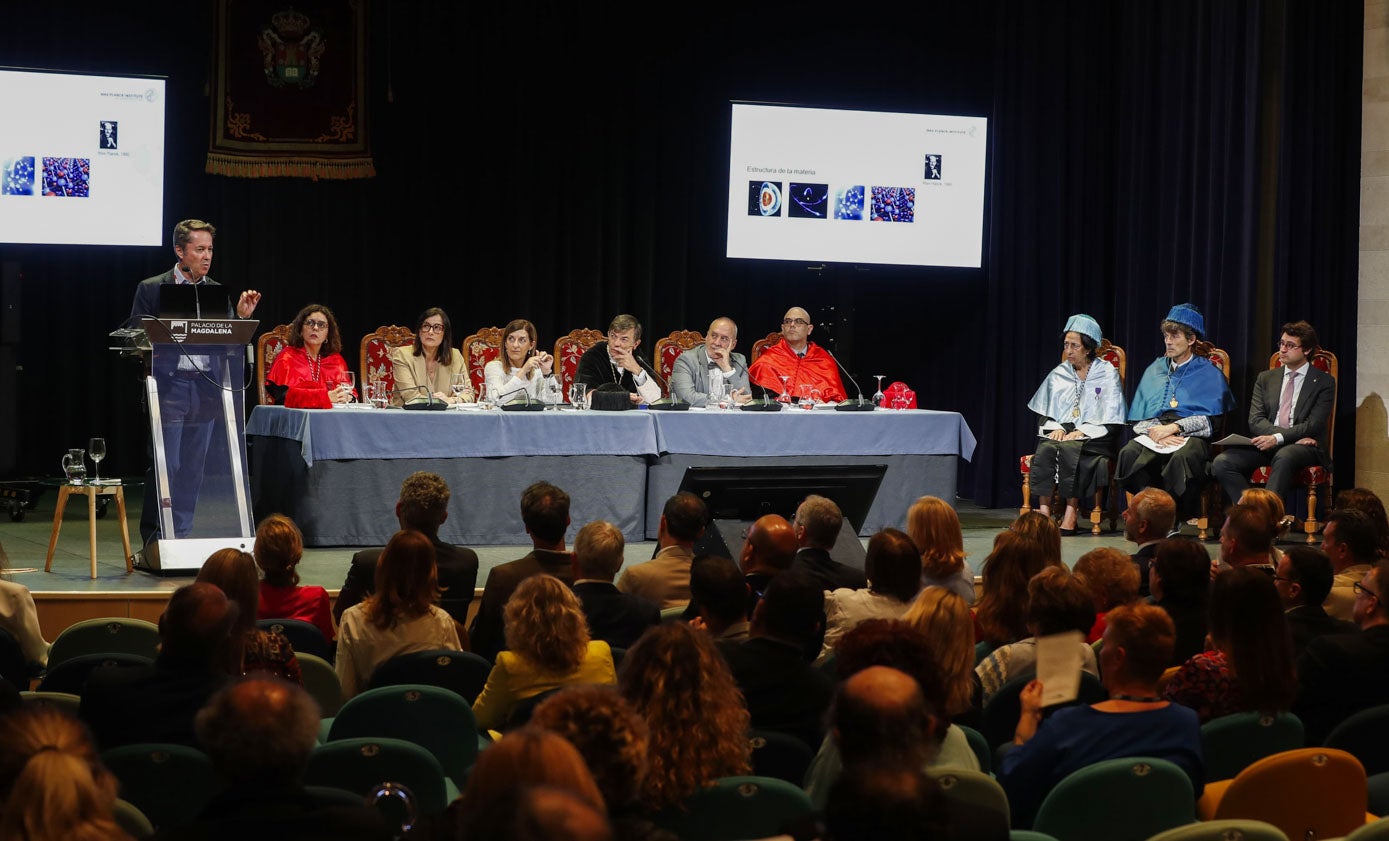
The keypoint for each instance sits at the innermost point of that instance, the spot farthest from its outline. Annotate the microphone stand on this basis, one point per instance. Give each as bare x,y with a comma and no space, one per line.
844,405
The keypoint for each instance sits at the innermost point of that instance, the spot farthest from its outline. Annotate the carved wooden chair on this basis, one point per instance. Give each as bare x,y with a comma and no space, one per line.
568,349
1114,355
762,344
268,346
1316,475
479,349
669,348
1212,496
376,355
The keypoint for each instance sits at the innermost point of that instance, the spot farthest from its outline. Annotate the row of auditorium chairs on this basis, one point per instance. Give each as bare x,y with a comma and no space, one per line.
374,352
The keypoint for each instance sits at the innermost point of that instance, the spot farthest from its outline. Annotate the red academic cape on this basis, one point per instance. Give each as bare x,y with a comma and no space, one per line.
292,368
816,368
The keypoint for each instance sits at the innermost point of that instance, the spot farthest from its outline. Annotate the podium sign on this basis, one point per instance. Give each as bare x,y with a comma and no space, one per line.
196,389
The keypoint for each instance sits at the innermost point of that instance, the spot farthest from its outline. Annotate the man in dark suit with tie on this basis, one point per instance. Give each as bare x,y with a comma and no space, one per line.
1287,419
817,524
615,618
1147,522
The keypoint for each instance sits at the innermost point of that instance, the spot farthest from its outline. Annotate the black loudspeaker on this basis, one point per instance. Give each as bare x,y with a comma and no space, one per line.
726,538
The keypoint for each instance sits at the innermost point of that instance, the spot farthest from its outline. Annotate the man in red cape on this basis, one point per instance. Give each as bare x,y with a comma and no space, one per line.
800,359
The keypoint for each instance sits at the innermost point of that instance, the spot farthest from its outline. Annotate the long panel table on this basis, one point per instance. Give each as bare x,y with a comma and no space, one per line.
338,472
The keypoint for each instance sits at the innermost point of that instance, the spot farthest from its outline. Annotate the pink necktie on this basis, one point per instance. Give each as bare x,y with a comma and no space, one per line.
1285,406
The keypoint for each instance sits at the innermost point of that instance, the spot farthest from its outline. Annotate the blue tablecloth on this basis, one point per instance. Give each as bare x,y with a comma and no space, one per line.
796,432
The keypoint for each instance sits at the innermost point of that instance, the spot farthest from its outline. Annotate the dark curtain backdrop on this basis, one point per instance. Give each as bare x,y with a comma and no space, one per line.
565,163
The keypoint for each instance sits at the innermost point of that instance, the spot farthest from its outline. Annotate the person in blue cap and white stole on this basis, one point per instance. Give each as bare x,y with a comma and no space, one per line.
1080,408
1178,399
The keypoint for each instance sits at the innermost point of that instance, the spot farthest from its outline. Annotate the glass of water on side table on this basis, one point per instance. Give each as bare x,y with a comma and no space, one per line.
96,448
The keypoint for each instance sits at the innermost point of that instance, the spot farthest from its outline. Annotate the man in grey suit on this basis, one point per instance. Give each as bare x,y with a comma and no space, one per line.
696,367
1287,419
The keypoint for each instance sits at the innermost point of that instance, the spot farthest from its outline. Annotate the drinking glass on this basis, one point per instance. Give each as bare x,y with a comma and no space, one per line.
550,395
349,379
460,384
97,449
725,398
785,396
878,395
807,401
717,393
577,395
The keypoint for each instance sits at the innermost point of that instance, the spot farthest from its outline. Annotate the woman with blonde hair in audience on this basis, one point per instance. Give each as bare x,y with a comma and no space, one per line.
1001,612
400,617
1364,499
1111,578
1271,505
1249,665
252,650
1038,527
894,577
547,646
278,550
935,529
52,784
677,680
943,617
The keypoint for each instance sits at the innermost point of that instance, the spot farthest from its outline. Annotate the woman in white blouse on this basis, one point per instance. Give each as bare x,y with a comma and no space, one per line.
520,367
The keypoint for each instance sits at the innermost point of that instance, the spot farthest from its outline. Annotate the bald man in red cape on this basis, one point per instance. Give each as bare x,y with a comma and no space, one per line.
800,359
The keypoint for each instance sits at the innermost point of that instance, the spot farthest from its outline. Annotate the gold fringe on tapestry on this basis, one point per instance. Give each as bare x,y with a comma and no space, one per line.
292,166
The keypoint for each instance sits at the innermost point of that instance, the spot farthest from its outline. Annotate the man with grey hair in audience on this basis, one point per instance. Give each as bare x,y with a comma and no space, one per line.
614,617
1148,520
818,521
259,734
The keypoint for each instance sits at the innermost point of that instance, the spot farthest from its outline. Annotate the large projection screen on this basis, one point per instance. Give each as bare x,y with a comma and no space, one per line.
82,158
834,186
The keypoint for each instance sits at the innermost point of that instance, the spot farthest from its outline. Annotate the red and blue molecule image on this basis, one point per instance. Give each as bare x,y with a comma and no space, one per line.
893,204
70,177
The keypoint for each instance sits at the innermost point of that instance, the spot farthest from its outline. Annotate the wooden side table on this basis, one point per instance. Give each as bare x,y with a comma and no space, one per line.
91,492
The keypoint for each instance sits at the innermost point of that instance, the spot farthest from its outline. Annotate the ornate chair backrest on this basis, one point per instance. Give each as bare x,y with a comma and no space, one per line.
268,346
1218,357
479,349
569,348
762,344
1326,361
669,348
376,354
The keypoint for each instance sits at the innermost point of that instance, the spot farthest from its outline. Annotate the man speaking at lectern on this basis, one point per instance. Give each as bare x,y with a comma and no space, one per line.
187,416
800,360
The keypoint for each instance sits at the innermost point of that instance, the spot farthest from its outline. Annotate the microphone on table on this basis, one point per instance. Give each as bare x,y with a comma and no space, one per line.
845,405
430,404
766,404
525,405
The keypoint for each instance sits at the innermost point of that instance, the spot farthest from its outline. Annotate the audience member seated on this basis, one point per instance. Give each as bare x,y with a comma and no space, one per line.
612,739
894,578
1341,674
1246,539
903,649
1349,540
613,617
259,734
783,692
252,650
1249,666
1001,612
278,550
1180,581
615,363
545,513
519,369
1365,500
1149,519
676,680
156,703
423,506
1271,504
1303,579
1056,603
1043,531
875,801
550,776
398,618
20,617
548,646
806,366
1111,578
944,618
1080,413
718,599
310,372
425,369
1138,642
935,529
817,523
665,579
697,367
52,783
768,551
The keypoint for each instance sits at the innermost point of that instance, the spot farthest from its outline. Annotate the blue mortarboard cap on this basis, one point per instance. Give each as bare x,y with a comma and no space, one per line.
1190,316
1085,326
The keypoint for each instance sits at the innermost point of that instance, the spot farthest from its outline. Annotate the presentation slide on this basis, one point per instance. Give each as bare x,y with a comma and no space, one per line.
82,158
833,186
